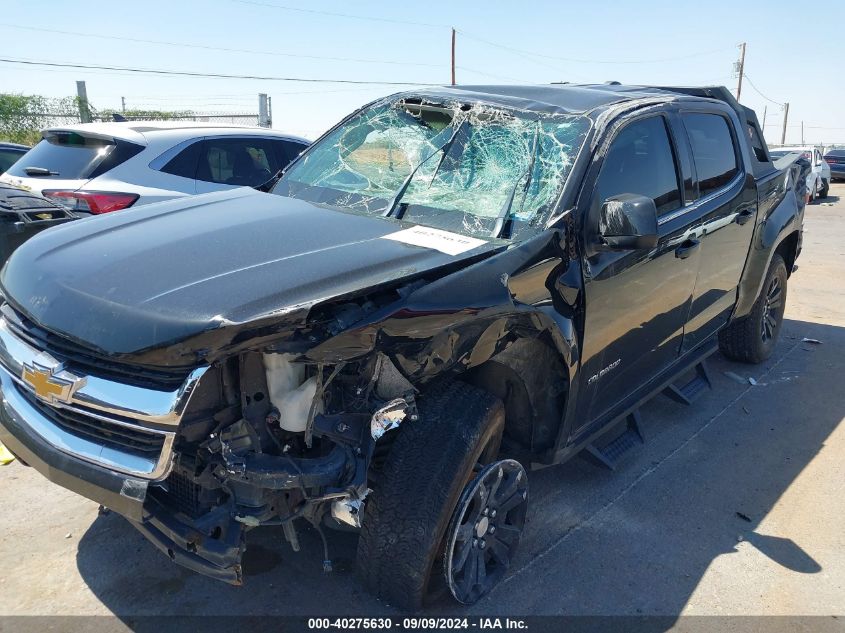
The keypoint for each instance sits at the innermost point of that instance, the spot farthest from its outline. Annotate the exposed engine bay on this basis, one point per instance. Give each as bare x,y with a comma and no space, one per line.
288,441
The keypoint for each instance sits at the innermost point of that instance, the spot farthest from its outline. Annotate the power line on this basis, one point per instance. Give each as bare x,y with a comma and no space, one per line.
751,83
586,61
370,18
186,73
486,74
217,48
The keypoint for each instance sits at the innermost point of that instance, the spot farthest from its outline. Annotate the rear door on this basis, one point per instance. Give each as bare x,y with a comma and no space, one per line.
637,300
725,204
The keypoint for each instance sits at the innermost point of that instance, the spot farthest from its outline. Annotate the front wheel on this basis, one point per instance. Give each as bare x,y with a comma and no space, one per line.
825,188
431,461
752,338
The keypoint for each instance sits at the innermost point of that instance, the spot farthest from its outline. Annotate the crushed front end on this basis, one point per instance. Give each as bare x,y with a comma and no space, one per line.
196,457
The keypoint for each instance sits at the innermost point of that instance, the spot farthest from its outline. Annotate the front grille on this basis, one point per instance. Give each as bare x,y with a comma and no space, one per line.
126,439
86,361
183,495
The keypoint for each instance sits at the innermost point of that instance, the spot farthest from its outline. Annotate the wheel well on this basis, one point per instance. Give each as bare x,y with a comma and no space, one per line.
532,381
788,250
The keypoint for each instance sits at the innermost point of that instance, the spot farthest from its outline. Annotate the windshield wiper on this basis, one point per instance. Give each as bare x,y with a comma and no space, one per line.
504,212
39,171
397,197
267,185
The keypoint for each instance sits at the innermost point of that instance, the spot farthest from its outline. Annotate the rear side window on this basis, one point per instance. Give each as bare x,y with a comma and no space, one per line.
185,162
712,150
241,162
69,155
641,161
9,157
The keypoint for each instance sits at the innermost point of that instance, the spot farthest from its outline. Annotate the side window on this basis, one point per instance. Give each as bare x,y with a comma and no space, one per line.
712,151
641,161
237,161
287,151
185,162
757,143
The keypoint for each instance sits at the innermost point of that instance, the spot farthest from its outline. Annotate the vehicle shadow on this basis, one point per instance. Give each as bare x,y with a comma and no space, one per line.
634,542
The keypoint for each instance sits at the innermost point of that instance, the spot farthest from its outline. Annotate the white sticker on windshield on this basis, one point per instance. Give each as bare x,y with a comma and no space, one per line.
443,241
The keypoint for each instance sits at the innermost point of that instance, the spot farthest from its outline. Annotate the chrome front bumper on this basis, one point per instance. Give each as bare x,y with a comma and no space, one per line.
101,403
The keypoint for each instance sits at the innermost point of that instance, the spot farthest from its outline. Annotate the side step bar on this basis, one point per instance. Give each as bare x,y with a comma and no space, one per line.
609,455
689,392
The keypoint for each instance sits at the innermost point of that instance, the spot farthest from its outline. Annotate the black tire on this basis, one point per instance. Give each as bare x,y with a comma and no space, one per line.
752,338
401,545
825,188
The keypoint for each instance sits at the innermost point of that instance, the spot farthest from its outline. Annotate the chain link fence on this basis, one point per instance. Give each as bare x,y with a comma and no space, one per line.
23,117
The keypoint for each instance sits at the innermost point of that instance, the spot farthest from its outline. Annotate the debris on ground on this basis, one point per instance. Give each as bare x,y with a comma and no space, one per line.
68,535
751,381
5,456
735,377
744,517
813,341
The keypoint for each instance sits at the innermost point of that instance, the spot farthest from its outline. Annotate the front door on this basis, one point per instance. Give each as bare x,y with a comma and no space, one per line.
636,300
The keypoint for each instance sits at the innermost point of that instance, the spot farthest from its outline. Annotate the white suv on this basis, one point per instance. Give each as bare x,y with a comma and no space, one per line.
818,181
95,168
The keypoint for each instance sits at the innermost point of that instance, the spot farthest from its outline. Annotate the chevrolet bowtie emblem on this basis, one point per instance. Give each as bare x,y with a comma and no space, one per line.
47,385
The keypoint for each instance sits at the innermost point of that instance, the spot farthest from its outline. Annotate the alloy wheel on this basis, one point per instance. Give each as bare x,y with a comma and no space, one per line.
771,310
485,530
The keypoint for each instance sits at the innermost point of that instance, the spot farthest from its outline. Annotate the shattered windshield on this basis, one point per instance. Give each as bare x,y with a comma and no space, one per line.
473,169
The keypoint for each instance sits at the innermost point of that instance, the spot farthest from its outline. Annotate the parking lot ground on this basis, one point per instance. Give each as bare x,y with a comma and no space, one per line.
734,506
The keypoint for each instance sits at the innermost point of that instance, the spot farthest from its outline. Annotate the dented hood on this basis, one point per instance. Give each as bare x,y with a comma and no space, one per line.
144,278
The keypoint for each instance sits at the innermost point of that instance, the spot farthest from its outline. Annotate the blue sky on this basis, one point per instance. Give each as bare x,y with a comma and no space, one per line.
790,54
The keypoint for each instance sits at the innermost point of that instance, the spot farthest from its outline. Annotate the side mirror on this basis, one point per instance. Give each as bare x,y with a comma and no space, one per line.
628,221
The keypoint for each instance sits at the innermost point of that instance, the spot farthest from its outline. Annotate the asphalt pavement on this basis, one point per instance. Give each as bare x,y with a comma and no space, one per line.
734,506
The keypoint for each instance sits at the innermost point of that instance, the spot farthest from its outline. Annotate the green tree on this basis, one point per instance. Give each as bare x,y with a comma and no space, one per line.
146,115
22,117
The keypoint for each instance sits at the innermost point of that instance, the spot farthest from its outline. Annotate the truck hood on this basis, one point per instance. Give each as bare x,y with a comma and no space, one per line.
145,278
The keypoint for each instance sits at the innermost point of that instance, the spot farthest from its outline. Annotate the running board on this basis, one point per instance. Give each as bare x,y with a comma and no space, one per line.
688,393
609,455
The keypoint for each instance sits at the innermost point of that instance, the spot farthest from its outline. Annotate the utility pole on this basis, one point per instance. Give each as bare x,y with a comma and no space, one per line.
263,114
763,131
84,110
453,56
802,132
740,66
123,104
785,117
269,111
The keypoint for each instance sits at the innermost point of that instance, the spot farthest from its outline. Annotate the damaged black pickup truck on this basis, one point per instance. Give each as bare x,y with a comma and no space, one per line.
450,287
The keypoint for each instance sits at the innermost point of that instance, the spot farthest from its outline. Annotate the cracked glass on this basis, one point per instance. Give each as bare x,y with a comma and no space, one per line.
475,169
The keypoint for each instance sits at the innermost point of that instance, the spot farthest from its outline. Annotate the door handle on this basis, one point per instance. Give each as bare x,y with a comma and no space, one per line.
686,248
744,216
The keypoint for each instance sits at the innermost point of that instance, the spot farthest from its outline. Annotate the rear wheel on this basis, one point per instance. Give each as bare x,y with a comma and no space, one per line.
403,533
825,188
752,338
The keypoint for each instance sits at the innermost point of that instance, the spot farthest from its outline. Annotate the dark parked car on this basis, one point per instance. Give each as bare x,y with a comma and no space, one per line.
10,153
22,215
836,159
450,286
